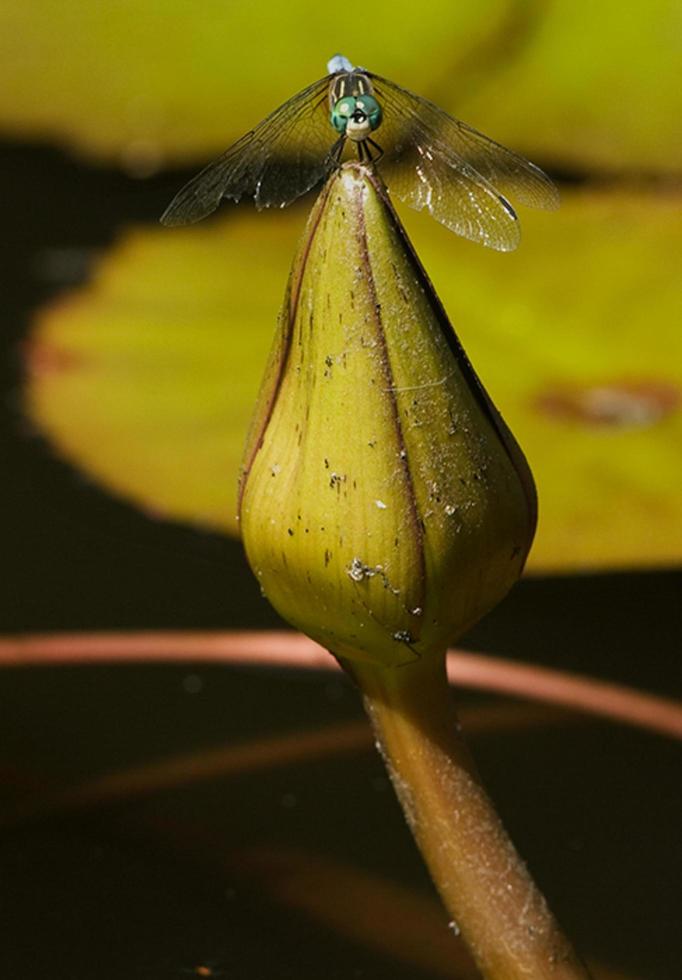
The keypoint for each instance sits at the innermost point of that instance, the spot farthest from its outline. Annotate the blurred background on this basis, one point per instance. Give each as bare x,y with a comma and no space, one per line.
131,356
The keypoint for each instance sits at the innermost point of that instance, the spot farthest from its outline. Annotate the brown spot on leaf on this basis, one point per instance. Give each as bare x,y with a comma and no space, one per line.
615,404
46,359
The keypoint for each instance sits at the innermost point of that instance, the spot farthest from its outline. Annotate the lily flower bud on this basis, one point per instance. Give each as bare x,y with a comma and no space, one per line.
384,504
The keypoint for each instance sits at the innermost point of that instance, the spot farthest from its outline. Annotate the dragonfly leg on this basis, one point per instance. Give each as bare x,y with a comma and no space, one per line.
365,154
334,155
375,146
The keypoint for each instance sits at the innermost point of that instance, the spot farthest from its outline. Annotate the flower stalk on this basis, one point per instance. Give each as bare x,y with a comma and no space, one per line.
385,507
485,886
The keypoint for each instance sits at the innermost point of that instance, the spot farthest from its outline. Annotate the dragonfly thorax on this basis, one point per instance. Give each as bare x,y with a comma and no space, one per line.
356,116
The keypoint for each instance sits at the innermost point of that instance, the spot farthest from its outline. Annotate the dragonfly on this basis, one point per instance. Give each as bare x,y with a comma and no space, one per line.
427,158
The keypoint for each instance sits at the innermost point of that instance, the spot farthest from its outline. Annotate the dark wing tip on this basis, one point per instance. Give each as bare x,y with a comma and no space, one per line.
170,219
508,207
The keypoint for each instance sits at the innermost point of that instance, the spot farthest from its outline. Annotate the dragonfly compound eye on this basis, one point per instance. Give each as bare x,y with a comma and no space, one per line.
342,111
369,106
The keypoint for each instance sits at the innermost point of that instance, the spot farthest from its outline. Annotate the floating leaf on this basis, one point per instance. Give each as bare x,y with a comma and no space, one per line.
594,86
146,378
143,82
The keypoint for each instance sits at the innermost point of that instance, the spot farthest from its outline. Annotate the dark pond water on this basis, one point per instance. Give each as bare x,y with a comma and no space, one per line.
185,882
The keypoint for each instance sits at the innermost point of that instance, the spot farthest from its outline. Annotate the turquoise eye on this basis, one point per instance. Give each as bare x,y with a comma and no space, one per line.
341,113
371,108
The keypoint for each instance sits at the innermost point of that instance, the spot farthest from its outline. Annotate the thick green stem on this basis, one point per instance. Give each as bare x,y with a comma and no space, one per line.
483,882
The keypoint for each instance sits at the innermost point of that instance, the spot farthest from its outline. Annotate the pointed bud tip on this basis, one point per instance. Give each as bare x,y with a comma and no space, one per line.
385,507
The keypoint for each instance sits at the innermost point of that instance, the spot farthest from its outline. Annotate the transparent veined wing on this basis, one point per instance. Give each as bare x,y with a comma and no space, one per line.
461,176
278,161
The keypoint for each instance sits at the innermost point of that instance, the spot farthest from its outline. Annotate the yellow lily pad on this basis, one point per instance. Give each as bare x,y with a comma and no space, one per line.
592,86
150,81
576,338
147,376
146,82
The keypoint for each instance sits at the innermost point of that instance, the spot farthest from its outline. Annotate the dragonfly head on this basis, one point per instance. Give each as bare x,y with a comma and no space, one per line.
356,116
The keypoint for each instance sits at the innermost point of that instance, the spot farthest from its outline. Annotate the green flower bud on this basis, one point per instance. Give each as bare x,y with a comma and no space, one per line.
384,504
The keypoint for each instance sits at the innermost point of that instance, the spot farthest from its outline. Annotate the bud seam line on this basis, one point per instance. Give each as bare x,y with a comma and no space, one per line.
391,392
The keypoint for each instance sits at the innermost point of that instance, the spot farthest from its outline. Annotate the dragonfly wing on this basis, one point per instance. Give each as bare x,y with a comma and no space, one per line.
225,177
423,176
278,161
512,174
433,161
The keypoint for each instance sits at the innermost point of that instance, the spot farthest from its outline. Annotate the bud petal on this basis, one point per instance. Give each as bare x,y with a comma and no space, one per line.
384,504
